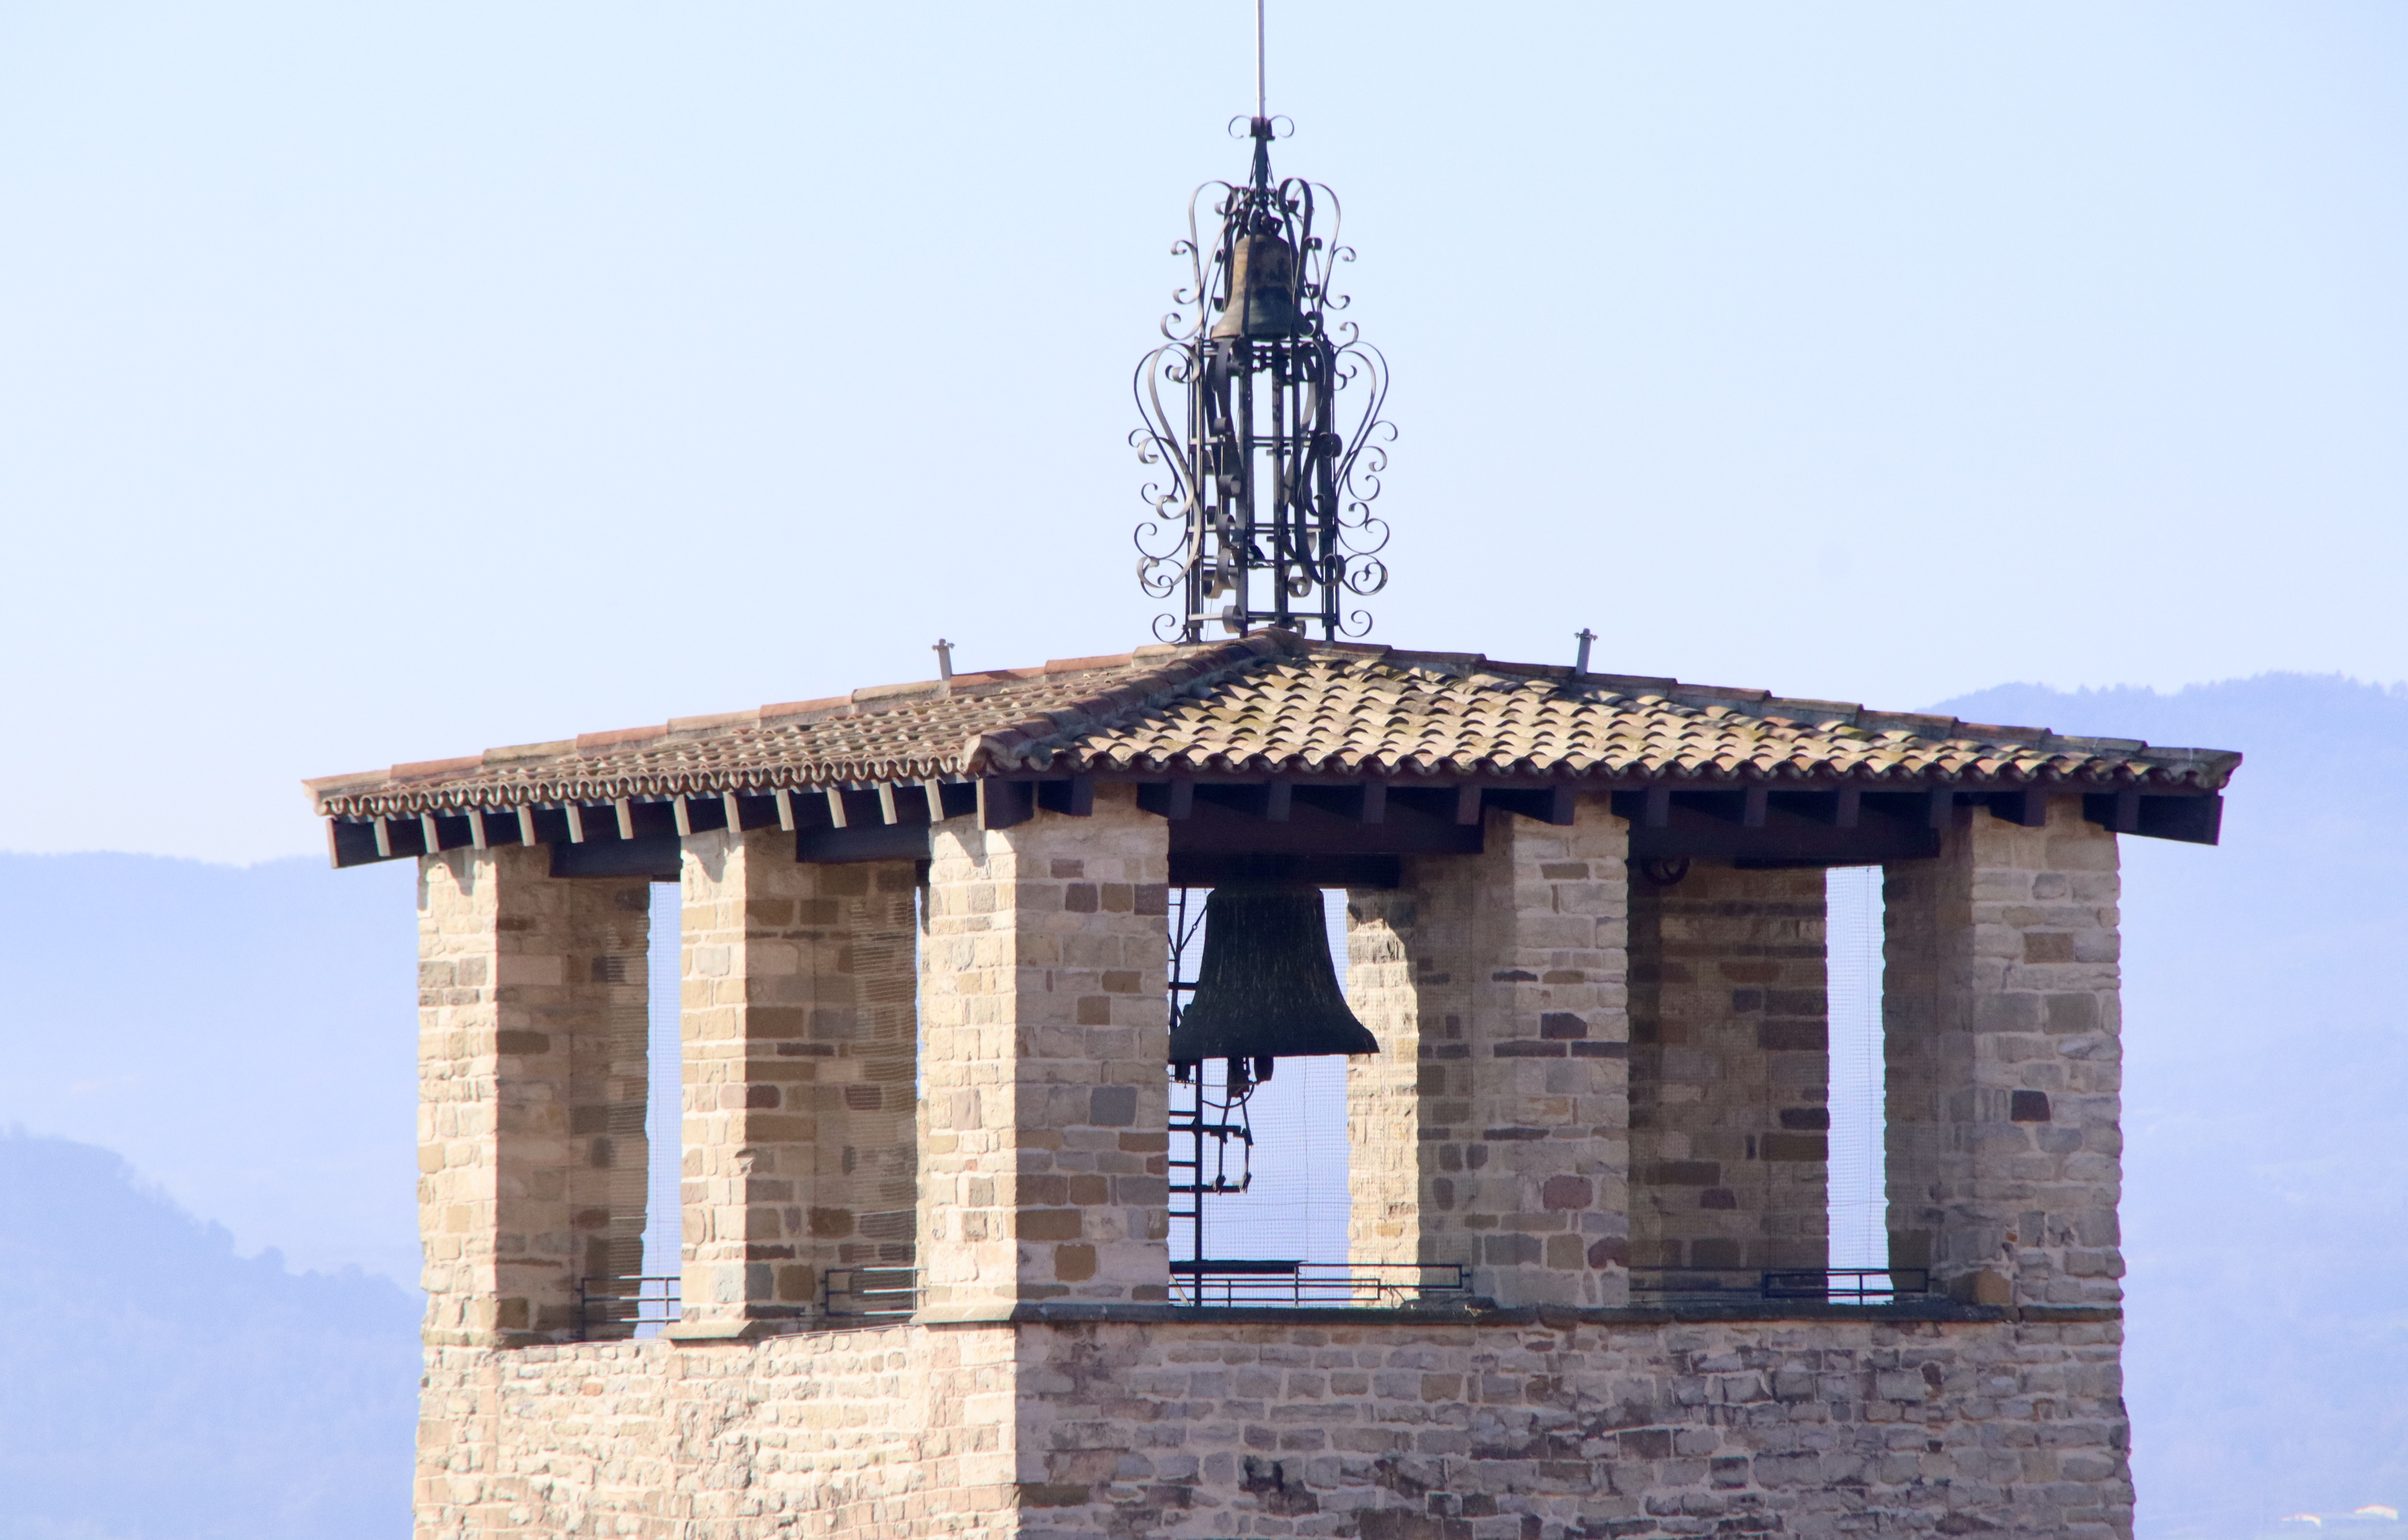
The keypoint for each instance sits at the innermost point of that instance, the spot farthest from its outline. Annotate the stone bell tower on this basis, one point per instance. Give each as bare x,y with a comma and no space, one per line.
928,1286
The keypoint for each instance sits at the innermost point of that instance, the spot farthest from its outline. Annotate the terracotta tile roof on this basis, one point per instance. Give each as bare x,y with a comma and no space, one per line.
1267,704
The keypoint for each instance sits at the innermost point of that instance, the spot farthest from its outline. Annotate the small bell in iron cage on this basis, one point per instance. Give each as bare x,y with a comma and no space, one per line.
1261,288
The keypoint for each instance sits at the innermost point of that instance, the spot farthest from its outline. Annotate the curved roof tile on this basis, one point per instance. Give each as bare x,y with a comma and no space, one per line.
1264,704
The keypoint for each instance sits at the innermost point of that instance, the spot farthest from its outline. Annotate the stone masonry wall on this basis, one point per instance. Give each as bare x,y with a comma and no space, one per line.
1730,1071
800,1060
887,1431
532,1079
1043,1138
2004,1060
1552,1426
1492,1128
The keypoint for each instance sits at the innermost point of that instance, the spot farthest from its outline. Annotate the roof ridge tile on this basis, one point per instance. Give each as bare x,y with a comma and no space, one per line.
594,742
800,708
929,688
1082,665
513,753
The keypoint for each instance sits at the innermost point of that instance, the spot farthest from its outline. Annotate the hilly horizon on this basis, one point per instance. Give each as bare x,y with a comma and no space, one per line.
2266,1144
244,1038
157,1386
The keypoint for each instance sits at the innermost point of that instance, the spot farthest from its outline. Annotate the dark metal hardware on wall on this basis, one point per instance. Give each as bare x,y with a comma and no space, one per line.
1730,1285
608,1301
1268,1283
1664,870
869,1293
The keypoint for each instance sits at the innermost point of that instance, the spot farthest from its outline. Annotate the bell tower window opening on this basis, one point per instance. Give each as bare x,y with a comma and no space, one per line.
663,1115
1258,1096
1857,1197
1258,1156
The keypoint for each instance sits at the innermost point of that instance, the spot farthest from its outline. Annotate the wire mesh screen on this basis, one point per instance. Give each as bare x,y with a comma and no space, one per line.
1858,1207
664,1103
1294,1205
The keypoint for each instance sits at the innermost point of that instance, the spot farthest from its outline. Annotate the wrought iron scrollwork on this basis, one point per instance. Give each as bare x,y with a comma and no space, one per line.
1259,500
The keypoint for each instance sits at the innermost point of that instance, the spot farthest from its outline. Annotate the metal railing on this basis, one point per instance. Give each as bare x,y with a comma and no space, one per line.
869,1293
607,1302
1266,1282
1731,1285
893,1293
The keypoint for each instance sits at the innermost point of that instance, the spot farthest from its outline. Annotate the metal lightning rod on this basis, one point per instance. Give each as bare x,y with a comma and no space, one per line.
1260,97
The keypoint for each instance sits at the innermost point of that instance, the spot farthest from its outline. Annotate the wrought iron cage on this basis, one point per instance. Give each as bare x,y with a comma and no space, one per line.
1262,504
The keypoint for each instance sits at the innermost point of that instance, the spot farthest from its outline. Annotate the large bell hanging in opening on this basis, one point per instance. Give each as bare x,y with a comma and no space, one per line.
1262,288
1266,988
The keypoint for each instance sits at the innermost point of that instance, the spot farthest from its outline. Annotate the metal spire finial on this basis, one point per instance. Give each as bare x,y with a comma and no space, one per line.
1262,512
1262,100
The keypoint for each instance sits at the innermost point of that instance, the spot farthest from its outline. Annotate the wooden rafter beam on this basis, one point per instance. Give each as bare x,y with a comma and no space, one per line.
1764,818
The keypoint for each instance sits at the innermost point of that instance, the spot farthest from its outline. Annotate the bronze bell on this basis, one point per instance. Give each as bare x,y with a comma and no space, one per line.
1262,288
1265,988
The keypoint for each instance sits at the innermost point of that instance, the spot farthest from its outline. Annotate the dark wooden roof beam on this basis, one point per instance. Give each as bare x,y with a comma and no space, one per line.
2026,809
1360,802
1073,798
1174,798
1313,828
1467,804
1311,805
655,858
1553,805
1214,869
2191,818
1004,803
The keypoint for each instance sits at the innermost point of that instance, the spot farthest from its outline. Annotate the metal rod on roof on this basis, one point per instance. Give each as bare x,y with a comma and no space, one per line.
1261,97
1584,635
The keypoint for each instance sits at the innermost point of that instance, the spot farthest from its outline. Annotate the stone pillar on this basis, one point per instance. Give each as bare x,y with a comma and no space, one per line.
1044,1139
1408,981
2002,1020
1492,1128
800,1057
532,1080
1729,1072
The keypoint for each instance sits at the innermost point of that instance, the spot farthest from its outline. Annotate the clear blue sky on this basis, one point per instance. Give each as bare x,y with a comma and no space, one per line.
385,382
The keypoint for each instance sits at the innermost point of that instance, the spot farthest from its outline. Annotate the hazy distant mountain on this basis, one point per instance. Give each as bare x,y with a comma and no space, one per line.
2266,1105
246,1035
155,1386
